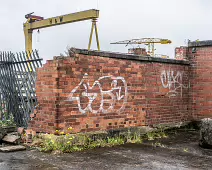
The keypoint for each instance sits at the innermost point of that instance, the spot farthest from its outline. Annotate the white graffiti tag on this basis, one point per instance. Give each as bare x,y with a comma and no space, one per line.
112,100
173,82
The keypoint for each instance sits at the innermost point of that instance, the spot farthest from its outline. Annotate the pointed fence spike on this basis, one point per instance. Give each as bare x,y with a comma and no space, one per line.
17,86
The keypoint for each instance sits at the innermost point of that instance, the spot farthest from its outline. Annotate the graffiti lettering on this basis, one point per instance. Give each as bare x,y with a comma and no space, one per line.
173,82
112,100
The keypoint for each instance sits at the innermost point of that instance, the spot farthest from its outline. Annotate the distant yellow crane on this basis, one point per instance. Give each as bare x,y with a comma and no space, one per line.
150,42
36,22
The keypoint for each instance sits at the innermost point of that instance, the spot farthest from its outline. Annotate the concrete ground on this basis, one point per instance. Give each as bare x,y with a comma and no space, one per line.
179,151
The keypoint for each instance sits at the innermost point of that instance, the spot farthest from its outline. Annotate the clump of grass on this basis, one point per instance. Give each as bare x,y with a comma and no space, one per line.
150,136
156,134
158,144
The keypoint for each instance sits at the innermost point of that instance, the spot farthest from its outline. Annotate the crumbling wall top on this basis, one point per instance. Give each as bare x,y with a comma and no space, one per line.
200,43
128,56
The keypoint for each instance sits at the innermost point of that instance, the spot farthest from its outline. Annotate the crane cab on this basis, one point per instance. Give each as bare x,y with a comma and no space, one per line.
32,18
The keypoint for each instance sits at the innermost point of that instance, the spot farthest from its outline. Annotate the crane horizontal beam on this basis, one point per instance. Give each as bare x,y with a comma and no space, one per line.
63,19
144,41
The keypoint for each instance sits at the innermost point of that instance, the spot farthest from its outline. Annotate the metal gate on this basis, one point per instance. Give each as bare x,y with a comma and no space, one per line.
17,84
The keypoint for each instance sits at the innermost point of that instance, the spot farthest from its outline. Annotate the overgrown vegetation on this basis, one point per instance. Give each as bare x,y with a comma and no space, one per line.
79,142
6,119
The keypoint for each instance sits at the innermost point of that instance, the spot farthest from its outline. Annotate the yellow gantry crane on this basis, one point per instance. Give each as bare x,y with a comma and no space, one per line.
36,22
150,42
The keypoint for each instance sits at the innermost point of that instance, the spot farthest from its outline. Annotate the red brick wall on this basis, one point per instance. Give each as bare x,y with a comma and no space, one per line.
200,55
92,93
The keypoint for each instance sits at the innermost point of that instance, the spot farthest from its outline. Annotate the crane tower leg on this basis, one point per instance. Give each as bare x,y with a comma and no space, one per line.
97,37
94,26
153,50
28,46
149,49
28,40
91,35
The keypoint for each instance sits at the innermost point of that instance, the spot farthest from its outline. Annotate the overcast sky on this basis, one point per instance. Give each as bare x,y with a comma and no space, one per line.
176,20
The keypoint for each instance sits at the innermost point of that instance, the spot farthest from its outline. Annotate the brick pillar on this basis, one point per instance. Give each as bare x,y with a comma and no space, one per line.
180,53
200,56
45,116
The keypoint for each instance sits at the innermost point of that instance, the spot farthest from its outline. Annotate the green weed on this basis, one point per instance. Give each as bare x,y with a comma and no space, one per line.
185,149
7,119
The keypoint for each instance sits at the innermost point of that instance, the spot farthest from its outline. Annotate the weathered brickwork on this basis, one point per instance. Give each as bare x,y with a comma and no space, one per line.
101,91
181,53
200,56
